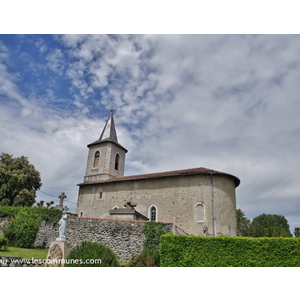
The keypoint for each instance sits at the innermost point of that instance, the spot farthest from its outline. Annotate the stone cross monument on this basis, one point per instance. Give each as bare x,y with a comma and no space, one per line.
61,206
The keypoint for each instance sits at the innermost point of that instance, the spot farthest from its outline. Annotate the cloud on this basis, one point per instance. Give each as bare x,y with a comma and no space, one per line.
56,61
226,102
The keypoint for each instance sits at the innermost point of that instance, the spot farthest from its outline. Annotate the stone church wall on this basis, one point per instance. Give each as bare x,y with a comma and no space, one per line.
174,197
124,237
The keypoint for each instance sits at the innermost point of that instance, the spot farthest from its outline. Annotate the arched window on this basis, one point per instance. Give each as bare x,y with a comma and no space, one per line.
117,162
152,213
199,212
96,159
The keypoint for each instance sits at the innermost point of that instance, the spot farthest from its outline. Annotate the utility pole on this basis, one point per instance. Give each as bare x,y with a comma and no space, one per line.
212,207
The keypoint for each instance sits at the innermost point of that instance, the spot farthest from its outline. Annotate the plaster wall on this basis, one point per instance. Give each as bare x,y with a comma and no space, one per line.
174,197
106,168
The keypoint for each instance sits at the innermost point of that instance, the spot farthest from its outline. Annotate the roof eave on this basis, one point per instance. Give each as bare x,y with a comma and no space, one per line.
106,141
159,175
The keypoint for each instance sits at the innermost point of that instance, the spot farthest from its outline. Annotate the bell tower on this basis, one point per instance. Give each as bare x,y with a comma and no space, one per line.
106,157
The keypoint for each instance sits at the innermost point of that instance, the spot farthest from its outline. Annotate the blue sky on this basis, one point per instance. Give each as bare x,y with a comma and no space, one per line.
225,102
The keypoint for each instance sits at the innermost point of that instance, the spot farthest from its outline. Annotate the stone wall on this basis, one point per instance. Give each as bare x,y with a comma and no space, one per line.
46,234
124,237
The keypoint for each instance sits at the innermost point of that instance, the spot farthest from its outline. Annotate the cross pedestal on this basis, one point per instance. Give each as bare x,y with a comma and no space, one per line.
57,254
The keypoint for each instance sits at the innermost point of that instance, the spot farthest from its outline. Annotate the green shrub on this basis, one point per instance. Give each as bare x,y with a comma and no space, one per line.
3,243
9,211
223,251
87,253
25,222
145,259
25,227
8,230
48,214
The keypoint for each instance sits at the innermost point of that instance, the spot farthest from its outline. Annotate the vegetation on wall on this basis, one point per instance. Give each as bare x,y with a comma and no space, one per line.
153,232
223,251
149,257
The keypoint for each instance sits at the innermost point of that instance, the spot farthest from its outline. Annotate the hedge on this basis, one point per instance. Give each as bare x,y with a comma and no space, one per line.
223,251
25,222
47,214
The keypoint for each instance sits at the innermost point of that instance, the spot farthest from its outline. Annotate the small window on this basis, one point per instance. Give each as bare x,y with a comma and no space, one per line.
96,159
153,213
101,194
199,212
117,162
81,214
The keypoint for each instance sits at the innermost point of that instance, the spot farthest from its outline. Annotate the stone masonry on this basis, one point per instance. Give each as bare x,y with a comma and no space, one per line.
124,237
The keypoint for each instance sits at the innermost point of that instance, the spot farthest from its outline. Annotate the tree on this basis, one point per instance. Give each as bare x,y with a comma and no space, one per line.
297,232
242,223
49,204
42,202
19,181
270,226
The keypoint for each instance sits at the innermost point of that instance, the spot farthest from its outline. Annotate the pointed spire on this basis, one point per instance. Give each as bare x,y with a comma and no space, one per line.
109,131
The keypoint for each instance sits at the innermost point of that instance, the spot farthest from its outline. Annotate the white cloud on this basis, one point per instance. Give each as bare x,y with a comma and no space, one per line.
56,61
229,103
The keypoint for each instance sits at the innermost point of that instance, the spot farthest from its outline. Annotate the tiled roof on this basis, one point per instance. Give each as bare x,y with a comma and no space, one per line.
194,171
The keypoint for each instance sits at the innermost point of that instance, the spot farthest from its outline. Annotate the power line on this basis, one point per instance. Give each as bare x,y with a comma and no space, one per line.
70,202
55,196
47,194
59,188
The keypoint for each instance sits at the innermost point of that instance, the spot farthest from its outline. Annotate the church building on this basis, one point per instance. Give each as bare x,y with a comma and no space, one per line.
199,201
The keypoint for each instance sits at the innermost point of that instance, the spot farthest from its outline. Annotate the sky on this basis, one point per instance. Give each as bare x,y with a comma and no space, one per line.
225,102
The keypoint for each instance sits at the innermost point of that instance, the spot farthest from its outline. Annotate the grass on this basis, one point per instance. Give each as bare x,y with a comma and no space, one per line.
36,253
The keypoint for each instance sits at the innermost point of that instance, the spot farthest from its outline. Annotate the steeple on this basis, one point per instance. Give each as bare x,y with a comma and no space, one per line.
106,158
109,131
